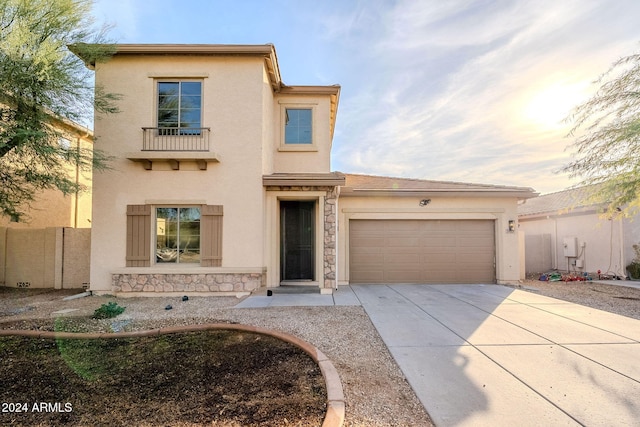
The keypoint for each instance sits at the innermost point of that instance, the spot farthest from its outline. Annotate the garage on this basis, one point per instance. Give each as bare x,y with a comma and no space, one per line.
421,251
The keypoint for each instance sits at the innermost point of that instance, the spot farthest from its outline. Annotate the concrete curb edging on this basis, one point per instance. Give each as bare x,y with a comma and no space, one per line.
335,414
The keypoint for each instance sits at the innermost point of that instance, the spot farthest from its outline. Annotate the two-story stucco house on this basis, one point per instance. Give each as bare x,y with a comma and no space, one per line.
221,183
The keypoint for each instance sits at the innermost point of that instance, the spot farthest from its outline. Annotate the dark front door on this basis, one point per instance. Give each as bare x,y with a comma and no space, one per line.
297,240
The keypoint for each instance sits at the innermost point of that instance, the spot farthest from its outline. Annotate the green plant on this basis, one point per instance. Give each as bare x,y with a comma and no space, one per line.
107,311
634,267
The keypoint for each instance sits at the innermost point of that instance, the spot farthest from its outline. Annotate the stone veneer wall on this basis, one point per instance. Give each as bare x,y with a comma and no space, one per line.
330,228
209,282
330,237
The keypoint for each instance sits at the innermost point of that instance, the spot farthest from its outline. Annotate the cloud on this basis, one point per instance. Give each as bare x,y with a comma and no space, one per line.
462,90
467,89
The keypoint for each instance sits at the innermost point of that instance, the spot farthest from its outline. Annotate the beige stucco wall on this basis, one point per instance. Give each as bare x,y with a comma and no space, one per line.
34,258
500,210
245,117
268,125
76,257
51,257
286,158
52,208
604,249
233,107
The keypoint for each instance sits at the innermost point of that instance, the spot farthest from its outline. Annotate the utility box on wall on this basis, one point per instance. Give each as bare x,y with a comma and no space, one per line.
570,246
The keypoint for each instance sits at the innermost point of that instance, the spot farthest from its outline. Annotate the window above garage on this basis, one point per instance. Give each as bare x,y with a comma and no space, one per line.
297,127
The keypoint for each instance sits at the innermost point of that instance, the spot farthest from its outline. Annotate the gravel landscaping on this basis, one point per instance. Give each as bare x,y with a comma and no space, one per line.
376,392
612,298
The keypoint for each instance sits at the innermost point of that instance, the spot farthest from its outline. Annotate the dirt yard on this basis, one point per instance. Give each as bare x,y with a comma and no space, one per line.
219,378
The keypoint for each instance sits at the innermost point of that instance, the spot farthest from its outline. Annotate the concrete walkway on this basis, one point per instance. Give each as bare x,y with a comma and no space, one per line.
488,355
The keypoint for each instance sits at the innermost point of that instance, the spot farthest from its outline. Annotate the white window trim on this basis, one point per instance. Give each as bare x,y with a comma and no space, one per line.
314,138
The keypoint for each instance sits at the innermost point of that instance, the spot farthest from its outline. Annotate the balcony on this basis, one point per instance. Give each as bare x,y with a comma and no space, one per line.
175,139
174,145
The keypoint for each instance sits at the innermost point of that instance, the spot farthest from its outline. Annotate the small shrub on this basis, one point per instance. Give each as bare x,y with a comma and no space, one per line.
634,268
107,311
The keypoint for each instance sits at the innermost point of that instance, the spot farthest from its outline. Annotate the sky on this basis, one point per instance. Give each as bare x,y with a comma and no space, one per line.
451,90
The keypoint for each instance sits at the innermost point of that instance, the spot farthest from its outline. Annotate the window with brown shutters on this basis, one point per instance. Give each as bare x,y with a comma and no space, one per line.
138,235
211,236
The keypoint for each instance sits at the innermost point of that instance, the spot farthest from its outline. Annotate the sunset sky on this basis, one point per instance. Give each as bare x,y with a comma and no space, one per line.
469,91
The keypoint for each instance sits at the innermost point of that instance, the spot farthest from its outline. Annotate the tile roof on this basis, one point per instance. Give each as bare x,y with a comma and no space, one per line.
357,183
559,202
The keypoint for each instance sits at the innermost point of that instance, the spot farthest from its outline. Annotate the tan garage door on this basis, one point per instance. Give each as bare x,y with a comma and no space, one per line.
421,251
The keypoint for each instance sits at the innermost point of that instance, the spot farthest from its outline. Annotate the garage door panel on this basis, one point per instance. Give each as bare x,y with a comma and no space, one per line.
438,226
413,258
370,276
421,251
371,250
433,241
356,226
401,250
441,258
400,226
470,275
400,242
369,242
443,276
402,276
368,258
473,242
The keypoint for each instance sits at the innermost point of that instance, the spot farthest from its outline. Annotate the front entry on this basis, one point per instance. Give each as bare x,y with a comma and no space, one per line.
297,240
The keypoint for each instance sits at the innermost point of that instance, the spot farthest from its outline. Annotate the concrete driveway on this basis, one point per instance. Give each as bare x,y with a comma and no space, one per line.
493,356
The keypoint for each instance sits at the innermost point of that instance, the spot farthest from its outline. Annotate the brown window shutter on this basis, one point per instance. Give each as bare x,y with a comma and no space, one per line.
138,235
211,236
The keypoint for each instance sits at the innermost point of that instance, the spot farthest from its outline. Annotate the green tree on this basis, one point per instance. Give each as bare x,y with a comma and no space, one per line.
606,129
41,84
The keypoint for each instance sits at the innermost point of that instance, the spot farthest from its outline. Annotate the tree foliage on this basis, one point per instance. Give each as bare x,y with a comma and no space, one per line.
606,129
42,85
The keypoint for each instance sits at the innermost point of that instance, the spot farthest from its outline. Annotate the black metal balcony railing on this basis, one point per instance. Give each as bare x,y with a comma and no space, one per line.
175,139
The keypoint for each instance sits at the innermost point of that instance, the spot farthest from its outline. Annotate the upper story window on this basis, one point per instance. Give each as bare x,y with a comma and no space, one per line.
298,126
179,107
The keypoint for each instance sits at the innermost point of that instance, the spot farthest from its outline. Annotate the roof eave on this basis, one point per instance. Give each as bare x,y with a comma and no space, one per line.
330,179
503,193
267,51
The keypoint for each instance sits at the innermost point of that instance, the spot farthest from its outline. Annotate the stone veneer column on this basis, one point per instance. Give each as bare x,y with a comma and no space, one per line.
330,238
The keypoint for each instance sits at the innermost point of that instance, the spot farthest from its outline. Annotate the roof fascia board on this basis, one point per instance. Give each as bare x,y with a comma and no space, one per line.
310,90
351,192
267,51
297,180
190,49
